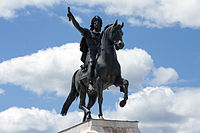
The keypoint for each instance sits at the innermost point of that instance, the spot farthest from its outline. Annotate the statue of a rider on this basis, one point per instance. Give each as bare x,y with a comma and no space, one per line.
90,43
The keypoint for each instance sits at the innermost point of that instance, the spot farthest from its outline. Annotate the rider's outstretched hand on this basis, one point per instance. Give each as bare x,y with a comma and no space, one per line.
69,14
74,22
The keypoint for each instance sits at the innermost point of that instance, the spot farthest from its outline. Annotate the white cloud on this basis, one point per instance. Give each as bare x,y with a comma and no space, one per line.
150,13
47,70
164,76
25,120
156,13
160,110
8,8
135,65
51,70
1,91
138,22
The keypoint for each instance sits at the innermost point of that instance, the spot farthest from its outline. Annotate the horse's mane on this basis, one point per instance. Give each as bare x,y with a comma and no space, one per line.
106,27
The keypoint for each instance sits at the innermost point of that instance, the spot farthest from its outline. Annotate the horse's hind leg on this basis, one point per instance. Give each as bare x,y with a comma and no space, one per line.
99,84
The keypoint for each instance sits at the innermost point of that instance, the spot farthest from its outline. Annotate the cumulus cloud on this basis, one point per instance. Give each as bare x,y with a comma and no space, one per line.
151,13
135,65
9,8
51,70
164,76
47,70
160,110
25,120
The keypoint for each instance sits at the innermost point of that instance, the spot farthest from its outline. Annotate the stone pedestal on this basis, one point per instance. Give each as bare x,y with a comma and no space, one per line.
104,126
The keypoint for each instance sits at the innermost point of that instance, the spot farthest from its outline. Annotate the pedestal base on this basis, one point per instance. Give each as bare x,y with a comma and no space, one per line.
104,126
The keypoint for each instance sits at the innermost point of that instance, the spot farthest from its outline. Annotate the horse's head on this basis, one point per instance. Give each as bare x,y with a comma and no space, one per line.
116,35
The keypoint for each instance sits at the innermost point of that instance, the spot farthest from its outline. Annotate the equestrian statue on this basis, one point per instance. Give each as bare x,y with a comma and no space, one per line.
101,68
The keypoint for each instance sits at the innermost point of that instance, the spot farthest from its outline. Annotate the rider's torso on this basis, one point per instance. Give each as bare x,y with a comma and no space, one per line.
93,40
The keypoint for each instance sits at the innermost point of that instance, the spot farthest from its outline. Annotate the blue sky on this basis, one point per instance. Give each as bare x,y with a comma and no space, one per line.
39,51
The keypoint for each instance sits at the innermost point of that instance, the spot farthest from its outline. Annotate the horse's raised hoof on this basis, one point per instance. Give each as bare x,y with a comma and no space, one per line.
122,90
122,103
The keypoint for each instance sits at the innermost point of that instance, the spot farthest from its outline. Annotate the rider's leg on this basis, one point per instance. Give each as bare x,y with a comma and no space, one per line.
91,68
91,75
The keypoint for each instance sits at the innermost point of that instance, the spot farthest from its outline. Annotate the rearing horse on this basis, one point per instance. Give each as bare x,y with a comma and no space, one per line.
107,73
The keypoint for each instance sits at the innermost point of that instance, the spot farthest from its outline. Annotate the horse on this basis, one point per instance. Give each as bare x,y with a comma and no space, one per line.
107,73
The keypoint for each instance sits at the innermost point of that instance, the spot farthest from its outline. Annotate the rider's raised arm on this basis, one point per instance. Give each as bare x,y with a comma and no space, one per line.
75,23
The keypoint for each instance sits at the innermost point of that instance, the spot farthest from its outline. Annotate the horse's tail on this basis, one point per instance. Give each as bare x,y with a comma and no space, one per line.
71,97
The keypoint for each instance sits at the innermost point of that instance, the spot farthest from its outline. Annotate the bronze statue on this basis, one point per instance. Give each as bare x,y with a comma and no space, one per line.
107,71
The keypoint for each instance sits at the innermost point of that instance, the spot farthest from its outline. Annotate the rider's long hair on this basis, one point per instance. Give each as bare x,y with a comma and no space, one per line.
95,18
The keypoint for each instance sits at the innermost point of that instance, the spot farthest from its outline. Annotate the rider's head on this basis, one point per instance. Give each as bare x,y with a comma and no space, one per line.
96,24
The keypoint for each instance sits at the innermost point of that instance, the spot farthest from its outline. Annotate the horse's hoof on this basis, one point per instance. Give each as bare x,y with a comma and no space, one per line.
89,117
122,90
101,117
122,103
88,113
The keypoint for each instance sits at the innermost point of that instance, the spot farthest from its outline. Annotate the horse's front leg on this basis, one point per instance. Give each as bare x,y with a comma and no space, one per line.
124,88
82,105
99,84
123,84
92,99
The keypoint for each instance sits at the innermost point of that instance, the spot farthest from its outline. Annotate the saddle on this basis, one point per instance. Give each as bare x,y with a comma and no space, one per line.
84,69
